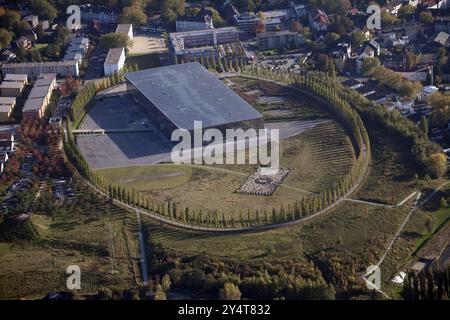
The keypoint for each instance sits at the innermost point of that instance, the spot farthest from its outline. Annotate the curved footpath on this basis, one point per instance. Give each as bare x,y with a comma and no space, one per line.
256,228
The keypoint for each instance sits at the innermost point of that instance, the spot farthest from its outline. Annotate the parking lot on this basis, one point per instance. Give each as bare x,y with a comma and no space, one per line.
148,146
61,189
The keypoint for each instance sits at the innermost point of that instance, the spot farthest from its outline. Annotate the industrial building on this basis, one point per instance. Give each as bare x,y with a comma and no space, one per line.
34,69
39,97
115,61
201,43
178,95
7,105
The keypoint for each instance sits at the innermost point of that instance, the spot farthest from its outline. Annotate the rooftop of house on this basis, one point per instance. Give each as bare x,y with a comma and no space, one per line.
114,55
7,100
16,77
124,28
11,84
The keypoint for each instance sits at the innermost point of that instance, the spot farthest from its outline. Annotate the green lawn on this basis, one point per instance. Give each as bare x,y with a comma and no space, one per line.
147,178
40,46
88,234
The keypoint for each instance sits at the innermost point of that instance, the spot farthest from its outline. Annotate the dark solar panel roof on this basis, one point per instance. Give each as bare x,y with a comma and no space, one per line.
188,92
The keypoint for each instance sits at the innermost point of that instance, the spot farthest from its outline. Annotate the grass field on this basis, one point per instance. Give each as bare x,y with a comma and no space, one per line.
92,235
147,178
353,236
318,158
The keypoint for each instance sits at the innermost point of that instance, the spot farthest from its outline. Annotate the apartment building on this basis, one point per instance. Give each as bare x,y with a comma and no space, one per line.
277,40
22,78
33,69
39,97
246,22
7,105
11,89
115,61
200,43
102,14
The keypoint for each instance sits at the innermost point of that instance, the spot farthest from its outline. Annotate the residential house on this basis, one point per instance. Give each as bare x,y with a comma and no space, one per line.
7,55
341,53
318,20
7,104
22,78
6,142
11,89
23,42
32,20
39,97
393,6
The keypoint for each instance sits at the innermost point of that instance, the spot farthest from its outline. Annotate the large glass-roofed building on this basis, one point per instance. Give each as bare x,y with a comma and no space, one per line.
180,94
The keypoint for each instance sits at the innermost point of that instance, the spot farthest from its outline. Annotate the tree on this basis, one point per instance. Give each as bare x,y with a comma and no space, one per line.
159,293
218,21
406,11
134,15
424,124
332,38
369,66
296,26
443,202
426,17
387,19
411,59
259,27
114,40
166,283
5,38
436,165
409,88
358,38
35,55
171,9
429,224
229,292
10,20
325,64
44,9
